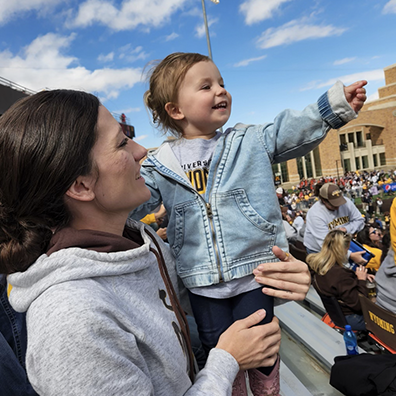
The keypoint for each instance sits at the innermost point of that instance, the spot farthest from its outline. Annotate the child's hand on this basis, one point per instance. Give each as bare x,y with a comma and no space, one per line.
355,94
290,277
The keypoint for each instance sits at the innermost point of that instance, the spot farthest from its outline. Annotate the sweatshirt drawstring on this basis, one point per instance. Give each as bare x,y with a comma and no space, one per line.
180,315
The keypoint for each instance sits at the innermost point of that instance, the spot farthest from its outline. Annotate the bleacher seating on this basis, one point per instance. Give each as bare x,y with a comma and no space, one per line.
380,322
322,341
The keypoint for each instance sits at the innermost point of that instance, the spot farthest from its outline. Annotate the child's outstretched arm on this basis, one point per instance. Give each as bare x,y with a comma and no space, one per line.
355,94
289,277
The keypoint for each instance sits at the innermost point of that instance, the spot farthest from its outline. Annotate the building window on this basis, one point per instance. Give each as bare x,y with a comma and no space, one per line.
300,168
343,139
357,162
365,162
347,165
375,160
382,159
285,172
317,162
368,136
359,139
280,170
351,138
308,166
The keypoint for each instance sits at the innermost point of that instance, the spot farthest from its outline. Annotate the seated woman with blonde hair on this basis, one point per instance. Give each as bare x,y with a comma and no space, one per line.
331,278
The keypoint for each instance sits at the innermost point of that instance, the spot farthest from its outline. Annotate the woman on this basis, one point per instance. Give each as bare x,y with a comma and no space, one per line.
332,279
370,238
102,314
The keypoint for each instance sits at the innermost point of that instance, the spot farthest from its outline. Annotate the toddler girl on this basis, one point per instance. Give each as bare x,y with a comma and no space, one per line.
218,189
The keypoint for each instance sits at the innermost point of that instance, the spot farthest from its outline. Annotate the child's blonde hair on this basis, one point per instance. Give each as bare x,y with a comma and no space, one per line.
334,252
165,80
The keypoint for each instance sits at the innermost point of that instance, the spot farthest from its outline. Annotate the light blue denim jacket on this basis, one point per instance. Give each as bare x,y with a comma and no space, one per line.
225,233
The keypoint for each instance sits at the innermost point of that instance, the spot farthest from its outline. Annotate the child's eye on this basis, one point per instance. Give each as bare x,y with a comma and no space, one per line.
206,87
222,85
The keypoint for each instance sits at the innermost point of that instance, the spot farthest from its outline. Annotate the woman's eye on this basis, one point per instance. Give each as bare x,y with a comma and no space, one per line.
124,142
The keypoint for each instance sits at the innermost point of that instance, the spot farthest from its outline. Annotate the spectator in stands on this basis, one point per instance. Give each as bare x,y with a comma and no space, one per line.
386,275
291,231
368,236
156,221
279,194
299,221
332,211
102,314
379,204
385,280
331,278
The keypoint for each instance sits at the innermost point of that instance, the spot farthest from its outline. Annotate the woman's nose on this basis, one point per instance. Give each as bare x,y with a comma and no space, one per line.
139,152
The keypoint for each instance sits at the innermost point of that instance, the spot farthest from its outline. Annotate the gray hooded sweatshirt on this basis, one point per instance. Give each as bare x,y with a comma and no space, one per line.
101,323
386,282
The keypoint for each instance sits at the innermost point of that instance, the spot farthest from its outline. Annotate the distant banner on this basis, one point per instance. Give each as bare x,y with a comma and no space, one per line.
390,187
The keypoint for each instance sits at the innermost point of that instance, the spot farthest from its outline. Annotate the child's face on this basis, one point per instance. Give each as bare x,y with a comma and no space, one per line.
203,104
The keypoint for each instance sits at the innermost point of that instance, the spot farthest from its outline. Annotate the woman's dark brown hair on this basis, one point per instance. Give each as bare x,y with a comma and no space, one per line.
45,144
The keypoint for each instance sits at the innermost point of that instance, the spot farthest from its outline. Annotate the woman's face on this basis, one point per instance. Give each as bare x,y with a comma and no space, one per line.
118,188
375,234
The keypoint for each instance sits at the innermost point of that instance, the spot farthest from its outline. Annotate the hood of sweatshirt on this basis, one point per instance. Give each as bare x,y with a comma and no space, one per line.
78,254
388,266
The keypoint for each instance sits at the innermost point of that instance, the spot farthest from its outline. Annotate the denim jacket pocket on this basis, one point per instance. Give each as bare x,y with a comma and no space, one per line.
189,235
245,234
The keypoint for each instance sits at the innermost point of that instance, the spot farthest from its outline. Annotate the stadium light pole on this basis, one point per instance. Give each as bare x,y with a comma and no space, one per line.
207,27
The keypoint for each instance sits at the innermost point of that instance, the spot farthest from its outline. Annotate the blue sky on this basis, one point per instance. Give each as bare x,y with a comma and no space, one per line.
273,54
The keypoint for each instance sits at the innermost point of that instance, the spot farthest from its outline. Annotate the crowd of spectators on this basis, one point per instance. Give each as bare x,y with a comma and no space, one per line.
365,189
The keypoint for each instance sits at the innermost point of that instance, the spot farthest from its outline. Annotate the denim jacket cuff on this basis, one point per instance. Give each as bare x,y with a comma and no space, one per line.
334,108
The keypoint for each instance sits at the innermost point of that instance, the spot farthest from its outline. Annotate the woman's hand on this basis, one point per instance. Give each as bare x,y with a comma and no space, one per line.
361,272
252,346
371,278
290,277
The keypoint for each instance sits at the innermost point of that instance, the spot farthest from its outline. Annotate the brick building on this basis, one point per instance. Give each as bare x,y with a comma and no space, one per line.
368,142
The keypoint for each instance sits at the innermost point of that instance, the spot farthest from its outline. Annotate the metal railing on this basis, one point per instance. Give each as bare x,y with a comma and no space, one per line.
16,86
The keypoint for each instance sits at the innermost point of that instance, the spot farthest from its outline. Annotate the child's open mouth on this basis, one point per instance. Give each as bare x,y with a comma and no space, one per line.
222,105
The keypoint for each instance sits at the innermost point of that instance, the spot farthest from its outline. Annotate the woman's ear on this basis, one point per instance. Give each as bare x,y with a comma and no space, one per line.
82,189
174,111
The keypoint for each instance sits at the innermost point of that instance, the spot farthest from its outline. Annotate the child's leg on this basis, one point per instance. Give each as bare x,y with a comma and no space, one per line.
264,381
213,316
247,303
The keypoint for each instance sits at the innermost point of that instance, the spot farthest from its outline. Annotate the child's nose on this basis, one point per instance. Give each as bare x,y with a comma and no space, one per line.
221,90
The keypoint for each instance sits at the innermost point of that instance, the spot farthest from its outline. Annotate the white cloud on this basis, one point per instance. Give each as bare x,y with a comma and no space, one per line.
131,14
44,64
372,75
259,10
106,58
171,37
296,30
130,54
390,7
373,97
140,138
247,61
200,29
11,9
342,61
129,110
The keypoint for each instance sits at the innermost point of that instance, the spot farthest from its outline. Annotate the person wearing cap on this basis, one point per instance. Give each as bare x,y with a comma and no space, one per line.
332,211
279,194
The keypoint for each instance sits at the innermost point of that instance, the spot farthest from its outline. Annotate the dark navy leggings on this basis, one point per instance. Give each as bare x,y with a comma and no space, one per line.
213,316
